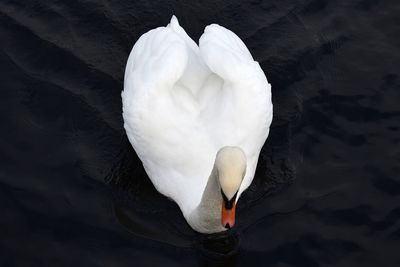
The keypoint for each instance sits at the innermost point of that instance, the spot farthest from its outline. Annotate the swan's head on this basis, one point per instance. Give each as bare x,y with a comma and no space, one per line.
230,165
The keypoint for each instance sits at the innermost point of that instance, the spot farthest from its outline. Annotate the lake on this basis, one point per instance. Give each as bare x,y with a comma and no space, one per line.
327,187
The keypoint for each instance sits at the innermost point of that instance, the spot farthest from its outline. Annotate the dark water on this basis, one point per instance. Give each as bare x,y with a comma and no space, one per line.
327,187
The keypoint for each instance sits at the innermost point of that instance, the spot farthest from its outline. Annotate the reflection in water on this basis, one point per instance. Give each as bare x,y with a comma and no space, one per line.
221,249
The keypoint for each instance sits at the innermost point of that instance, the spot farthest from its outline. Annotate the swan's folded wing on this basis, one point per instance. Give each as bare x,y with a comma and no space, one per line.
156,62
171,143
226,54
246,123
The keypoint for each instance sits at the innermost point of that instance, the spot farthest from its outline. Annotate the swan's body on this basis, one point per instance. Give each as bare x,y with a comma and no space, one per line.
182,103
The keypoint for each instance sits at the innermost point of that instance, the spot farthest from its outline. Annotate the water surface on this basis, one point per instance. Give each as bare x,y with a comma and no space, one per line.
326,191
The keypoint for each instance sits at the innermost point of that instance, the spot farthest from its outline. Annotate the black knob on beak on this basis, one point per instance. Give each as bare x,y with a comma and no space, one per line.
228,202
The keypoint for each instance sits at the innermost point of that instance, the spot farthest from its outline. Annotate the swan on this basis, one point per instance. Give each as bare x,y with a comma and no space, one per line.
197,117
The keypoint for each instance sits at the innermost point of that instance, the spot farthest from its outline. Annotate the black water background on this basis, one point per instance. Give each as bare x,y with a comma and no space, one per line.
327,188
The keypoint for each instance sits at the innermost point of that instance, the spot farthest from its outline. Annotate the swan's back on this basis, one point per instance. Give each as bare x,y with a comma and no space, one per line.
182,103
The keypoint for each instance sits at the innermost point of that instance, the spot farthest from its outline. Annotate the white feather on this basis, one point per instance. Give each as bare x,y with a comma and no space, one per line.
183,102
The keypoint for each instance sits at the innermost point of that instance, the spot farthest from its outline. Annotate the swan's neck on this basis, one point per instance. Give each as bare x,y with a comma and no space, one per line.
206,218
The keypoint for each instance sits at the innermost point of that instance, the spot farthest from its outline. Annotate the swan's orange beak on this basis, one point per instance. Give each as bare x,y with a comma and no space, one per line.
228,214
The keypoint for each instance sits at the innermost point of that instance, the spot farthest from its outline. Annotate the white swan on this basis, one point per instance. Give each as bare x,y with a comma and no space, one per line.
197,116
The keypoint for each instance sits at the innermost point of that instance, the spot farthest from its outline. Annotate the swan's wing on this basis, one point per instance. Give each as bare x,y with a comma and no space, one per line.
156,62
160,117
225,53
244,113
